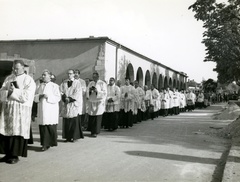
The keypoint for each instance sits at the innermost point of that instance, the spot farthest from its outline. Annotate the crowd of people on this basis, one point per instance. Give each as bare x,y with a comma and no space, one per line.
89,104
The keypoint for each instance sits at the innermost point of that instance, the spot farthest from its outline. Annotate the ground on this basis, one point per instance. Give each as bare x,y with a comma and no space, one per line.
185,148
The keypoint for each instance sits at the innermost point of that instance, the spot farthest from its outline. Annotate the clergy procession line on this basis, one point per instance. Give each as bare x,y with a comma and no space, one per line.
83,104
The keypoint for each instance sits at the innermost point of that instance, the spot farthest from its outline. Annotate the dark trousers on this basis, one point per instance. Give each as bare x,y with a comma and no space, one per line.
30,140
146,114
48,135
13,146
71,129
81,119
170,111
126,119
165,112
95,124
134,118
139,115
111,120
175,110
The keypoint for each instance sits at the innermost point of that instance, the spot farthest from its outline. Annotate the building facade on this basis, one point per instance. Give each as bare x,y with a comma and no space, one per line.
101,54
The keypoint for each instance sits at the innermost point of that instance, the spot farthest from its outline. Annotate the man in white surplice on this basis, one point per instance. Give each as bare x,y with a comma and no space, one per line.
48,97
71,91
138,102
155,102
112,106
127,104
16,99
96,95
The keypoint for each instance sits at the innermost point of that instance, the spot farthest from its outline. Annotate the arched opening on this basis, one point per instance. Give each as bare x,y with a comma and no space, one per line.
154,80
178,85
139,76
165,82
170,83
160,82
148,79
174,83
181,85
130,72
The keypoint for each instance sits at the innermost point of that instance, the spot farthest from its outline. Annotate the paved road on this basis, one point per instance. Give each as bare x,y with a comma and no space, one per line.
173,149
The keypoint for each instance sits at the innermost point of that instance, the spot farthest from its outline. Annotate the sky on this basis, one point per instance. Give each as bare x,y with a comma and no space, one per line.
163,30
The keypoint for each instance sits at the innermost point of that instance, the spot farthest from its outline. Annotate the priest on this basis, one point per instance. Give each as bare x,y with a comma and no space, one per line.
16,99
48,97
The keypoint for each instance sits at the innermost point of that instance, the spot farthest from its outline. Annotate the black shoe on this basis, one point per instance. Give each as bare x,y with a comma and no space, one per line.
13,160
4,159
44,148
94,135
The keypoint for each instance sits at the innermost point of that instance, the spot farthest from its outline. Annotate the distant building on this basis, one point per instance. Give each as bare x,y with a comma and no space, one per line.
100,54
191,84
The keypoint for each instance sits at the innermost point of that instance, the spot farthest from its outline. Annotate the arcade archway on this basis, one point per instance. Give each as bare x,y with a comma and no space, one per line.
165,82
139,76
148,78
170,83
160,82
154,80
130,72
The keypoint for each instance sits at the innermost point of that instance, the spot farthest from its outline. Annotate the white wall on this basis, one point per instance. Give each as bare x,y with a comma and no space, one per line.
110,61
124,58
140,62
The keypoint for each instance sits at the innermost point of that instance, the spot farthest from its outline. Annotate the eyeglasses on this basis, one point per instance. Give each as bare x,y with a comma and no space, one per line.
70,73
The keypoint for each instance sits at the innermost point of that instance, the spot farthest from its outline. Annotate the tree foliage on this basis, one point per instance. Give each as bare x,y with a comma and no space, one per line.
210,85
221,36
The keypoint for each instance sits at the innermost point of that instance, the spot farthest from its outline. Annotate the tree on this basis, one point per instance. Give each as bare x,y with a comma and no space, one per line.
221,36
209,85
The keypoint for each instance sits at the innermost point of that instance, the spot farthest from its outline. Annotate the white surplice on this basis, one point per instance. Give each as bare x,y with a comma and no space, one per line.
97,100
114,93
127,103
48,109
82,105
155,99
71,109
16,110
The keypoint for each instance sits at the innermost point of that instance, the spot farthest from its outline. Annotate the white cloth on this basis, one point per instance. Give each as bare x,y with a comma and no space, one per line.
114,93
127,101
16,110
71,109
190,97
97,100
155,99
48,109
147,99
160,100
138,99
170,99
82,105
182,100
175,99
165,101
200,97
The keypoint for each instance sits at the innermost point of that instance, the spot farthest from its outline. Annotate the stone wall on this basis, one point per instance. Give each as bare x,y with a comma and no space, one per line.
100,63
